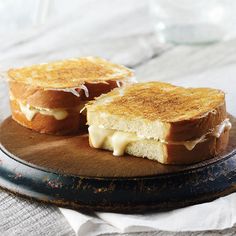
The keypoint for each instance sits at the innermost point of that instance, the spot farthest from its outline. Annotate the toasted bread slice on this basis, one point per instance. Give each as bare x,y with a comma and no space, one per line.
39,93
54,98
174,153
70,73
159,110
65,121
160,121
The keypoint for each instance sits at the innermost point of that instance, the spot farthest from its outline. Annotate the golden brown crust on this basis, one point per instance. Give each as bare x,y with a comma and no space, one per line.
195,128
163,101
67,84
186,113
39,97
72,124
178,154
70,73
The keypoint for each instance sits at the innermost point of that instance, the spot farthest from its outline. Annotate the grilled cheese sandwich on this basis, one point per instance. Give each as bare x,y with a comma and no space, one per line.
121,121
55,92
119,140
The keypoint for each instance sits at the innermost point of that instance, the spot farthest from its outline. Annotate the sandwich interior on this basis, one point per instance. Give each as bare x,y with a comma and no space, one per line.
122,121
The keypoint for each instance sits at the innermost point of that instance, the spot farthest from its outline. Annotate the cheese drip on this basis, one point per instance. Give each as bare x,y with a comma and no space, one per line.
30,112
119,140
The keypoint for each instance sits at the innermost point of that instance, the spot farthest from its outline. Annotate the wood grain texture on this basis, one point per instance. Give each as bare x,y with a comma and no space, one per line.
72,155
67,172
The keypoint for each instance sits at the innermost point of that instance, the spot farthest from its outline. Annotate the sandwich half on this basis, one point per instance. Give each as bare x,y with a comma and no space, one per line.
160,121
48,97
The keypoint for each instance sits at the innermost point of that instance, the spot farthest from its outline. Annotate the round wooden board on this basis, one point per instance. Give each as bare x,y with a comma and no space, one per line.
65,171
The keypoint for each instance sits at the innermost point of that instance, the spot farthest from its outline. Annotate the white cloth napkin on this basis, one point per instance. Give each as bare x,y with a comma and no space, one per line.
216,215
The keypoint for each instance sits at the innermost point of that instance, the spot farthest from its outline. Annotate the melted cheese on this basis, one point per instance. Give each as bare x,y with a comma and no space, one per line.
75,91
30,112
225,125
11,96
119,140
98,135
216,132
190,145
27,111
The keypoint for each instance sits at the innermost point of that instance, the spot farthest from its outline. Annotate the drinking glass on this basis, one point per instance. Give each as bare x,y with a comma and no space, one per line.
193,21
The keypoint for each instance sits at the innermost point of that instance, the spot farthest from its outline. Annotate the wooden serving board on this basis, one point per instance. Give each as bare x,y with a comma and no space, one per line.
65,171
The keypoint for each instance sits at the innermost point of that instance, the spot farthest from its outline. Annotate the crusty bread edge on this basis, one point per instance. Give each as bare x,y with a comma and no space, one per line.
175,154
72,124
175,131
48,98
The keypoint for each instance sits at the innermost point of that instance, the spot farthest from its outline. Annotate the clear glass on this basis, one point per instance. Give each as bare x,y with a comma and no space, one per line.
193,21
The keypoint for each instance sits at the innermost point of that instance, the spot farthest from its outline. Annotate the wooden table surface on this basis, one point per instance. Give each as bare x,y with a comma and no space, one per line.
123,35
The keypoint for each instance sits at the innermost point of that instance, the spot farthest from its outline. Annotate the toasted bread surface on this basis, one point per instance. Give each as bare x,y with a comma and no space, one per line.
159,110
161,101
65,85
70,73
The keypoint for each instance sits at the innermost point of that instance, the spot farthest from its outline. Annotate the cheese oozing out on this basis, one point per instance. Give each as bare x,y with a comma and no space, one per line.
30,112
75,91
225,125
119,140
